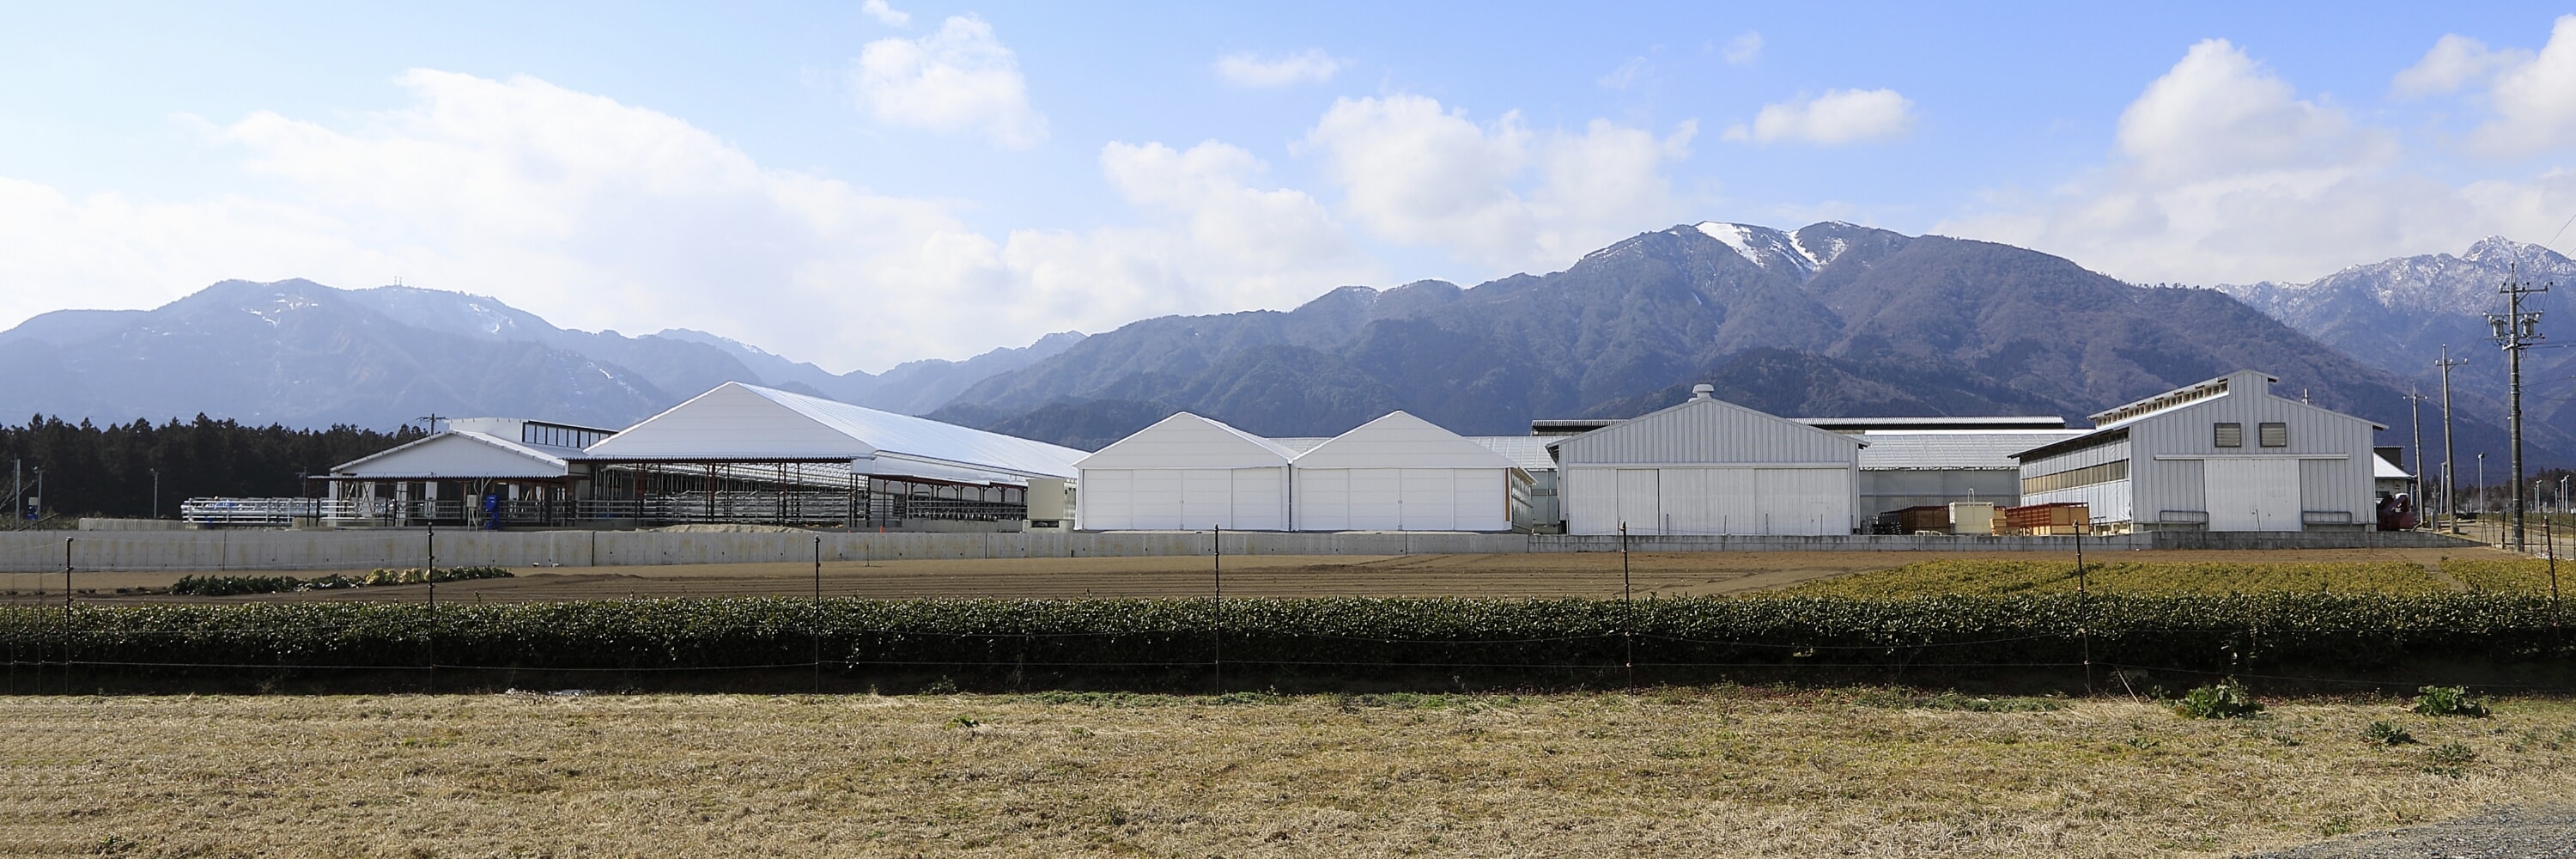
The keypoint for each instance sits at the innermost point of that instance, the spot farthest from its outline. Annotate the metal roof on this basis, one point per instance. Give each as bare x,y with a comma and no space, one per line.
2032,422
1527,451
1890,450
2382,469
747,423
455,454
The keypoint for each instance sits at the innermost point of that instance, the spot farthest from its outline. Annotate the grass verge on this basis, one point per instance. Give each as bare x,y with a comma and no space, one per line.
1726,771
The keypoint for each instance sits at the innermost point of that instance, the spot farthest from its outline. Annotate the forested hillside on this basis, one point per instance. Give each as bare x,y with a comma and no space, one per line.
108,470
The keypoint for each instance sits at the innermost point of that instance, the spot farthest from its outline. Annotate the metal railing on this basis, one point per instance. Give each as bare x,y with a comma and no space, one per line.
788,508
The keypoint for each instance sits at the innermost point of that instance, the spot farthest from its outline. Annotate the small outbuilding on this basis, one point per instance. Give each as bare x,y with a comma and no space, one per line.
1708,466
1185,472
1403,473
2221,455
526,471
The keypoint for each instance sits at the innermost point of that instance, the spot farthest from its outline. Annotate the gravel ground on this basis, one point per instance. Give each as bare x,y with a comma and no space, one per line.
2512,832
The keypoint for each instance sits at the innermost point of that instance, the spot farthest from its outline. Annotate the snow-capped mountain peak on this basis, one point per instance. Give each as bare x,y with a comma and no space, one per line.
1763,246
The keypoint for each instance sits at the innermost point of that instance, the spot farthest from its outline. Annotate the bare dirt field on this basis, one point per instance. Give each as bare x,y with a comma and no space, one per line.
1680,772
1504,575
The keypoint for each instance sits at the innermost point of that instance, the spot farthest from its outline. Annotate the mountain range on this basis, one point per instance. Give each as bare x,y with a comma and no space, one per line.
2402,315
302,354
1829,320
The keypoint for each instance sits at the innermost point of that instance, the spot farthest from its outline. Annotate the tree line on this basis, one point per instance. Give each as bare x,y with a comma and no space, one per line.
108,470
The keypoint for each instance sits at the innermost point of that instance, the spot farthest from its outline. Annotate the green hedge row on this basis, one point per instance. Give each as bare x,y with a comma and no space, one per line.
2199,633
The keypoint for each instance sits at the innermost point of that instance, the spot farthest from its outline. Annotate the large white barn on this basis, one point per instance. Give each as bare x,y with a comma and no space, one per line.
1403,473
2221,455
1708,466
1185,472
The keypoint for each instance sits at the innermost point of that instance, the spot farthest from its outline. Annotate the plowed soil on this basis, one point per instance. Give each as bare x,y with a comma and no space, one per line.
1505,575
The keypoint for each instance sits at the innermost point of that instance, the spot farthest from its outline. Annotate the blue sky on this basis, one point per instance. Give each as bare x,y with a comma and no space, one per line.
860,184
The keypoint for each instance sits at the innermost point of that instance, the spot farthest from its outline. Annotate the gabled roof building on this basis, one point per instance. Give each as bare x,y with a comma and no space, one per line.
1185,472
2222,455
1708,466
1403,473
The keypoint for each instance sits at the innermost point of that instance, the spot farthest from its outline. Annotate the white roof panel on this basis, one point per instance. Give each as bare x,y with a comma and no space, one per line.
1186,440
746,422
1527,451
456,454
1400,440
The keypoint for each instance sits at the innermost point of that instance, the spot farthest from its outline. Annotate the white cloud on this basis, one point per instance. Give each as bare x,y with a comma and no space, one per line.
1215,241
2223,174
1416,174
598,214
2535,99
2454,62
1742,50
2217,111
885,14
1251,70
1837,117
956,79
1625,75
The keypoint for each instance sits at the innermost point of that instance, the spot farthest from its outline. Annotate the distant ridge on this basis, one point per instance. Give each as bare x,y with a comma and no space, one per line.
303,354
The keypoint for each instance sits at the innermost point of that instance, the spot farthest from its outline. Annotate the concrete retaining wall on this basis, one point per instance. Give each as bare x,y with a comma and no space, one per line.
243,550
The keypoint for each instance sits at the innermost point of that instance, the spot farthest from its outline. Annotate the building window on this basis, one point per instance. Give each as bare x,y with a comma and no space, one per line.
2273,435
558,436
2227,435
2107,472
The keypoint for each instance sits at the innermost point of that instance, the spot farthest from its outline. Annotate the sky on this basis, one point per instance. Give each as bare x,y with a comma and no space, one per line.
861,184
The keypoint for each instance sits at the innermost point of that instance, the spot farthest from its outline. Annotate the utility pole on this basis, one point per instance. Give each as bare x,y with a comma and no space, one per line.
2450,502
2415,410
2515,329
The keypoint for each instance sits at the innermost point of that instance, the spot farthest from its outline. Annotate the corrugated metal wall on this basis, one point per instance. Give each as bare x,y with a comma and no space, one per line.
1707,431
2332,452
2108,502
1698,468
2177,473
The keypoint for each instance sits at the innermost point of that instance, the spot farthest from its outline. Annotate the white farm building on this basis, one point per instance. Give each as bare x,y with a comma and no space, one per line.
1185,472
1403,473
1396,473
1708,466
737,453
2221,455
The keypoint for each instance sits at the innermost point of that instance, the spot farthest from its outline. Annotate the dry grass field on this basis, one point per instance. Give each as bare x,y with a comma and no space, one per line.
1510,575
1710,772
